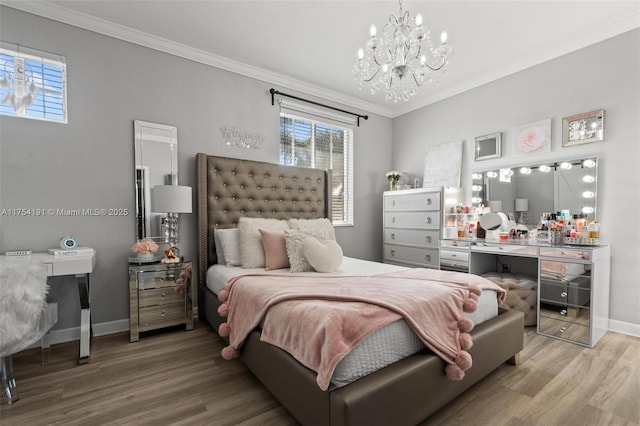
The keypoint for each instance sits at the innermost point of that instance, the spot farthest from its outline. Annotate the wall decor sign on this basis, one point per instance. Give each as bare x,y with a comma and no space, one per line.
240,138
442,165
583,128
532,138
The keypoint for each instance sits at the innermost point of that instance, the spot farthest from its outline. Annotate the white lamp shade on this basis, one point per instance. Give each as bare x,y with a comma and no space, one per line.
522,204
171,199
495,205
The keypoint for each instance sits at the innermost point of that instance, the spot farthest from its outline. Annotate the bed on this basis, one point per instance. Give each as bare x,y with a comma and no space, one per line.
405,392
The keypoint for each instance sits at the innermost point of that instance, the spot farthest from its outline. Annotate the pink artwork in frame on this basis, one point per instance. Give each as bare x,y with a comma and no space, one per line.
532,138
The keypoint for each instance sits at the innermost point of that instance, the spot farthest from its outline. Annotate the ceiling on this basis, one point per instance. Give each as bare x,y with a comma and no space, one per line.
311,45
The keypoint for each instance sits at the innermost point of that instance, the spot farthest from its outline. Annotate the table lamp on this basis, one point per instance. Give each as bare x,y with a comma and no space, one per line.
171,199
522,206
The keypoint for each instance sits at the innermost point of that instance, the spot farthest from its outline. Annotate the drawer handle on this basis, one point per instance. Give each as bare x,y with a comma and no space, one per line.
393,235
393,252
163,295
563,329
563,312
428,238
428,201
163,313
393,202
563,294
427,257
428,219
393,219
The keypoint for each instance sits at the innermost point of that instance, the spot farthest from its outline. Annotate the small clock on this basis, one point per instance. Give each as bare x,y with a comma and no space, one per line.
68,243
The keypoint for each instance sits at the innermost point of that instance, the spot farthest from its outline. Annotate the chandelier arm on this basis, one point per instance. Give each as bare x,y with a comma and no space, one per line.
368,80
437,67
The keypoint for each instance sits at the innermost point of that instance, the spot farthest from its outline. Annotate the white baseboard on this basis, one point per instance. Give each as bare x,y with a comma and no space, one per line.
624,327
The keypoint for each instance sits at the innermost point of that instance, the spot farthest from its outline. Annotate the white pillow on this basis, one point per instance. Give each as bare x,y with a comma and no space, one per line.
324,224
322,256
251,249
230,242
294,239
218,244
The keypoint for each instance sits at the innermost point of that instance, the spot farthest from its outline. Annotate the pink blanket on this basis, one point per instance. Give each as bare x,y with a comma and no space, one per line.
301,316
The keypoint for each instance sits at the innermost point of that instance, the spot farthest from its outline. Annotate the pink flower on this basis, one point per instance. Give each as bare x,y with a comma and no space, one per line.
146,245
532,138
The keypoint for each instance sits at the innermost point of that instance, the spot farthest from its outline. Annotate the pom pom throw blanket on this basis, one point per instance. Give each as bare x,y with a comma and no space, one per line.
300,314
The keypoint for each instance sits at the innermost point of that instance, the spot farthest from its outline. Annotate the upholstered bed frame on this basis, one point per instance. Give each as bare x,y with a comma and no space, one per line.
405,392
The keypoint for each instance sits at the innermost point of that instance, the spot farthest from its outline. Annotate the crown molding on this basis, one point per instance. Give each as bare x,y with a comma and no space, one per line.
61,14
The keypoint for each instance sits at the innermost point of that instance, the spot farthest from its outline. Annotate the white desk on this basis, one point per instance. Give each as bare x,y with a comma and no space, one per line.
80,266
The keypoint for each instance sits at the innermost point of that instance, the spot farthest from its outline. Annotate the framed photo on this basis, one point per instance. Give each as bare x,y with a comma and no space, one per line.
532,138
583,128
488,146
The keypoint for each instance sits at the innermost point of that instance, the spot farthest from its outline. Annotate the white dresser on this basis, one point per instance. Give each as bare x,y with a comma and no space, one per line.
413,221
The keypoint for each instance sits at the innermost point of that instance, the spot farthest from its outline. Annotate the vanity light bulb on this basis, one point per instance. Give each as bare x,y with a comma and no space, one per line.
588,194
589,163
565,165
492,174
525,170
545,169
476,176
588,179
476,200
476,188
587,210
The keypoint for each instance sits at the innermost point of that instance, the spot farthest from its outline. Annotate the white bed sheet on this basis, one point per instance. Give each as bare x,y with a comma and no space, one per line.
381,348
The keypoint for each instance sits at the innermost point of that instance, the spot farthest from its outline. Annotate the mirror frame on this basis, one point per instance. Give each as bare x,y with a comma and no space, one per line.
494,140
160,133
594,117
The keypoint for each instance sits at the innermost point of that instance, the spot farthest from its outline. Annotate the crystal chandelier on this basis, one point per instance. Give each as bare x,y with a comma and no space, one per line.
403,59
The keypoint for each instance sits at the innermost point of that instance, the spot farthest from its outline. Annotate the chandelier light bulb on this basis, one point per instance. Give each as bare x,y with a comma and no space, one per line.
419,20
372,31
443,37
360,53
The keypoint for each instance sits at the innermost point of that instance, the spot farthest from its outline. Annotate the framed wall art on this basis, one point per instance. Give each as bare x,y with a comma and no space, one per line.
532,138
583,128
442,165
488,146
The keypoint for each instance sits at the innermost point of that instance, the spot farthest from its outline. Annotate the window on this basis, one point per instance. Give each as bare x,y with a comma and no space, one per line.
324,144
32,84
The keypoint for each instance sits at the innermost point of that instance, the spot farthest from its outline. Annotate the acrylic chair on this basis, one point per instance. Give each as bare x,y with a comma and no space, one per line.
25,316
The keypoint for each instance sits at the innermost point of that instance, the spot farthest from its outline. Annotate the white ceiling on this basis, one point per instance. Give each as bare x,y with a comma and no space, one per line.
311,45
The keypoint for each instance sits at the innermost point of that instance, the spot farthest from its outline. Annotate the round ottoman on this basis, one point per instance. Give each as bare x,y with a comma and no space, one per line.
521,293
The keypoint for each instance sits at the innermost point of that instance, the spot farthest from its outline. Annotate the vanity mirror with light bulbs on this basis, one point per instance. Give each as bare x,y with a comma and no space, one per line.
526,192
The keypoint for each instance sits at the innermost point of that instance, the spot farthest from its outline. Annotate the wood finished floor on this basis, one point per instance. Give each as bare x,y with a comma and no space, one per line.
178,377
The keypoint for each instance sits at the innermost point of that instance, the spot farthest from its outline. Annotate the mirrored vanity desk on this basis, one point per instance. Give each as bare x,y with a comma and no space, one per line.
573,281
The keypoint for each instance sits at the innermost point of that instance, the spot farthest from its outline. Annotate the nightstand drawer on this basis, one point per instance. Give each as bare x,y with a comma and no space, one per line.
161,296
412,237
419,201
157,315
148,280
423,220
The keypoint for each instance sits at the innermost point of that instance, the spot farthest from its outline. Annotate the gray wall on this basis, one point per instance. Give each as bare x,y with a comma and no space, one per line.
605,75
89,162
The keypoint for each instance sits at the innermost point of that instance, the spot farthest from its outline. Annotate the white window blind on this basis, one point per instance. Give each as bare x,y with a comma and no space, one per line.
32,84
313,137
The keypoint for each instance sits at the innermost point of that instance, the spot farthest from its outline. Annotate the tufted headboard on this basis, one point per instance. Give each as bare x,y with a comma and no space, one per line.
228,188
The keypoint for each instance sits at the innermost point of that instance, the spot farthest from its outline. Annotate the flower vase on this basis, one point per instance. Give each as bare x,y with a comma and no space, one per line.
145,257
393,185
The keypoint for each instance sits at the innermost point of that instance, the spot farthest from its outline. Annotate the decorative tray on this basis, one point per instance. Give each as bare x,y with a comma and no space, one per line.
140,261
581,241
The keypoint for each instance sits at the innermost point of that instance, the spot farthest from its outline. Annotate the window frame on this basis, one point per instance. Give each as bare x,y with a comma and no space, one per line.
346,127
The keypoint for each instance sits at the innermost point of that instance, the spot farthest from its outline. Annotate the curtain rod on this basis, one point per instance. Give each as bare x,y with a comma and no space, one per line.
275,92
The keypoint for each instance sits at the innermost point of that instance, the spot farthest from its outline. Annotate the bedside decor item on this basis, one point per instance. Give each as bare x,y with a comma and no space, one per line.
145,249
532,138
393,177
171,255
583,128
402,59
171,199
488,146
68,243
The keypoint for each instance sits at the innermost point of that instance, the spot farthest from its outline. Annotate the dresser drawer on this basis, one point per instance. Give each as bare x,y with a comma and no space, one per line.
412,255
566,253
157,315
161,296
412,237
566,330
424,220
575,293
418,201
460,256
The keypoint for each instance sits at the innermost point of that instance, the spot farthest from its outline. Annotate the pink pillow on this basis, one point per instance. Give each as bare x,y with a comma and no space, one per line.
275,249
